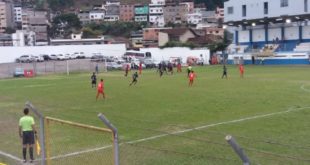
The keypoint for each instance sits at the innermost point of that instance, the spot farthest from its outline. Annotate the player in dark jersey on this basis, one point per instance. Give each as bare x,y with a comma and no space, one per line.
224,72
134,79
93,80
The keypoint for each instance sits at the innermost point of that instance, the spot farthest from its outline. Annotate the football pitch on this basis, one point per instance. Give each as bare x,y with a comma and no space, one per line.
163,121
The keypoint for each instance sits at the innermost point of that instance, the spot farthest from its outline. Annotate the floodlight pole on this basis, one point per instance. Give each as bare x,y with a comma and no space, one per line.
239,151
115,136
42,132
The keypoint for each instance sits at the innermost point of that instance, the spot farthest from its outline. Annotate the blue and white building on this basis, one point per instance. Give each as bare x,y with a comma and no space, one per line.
269,28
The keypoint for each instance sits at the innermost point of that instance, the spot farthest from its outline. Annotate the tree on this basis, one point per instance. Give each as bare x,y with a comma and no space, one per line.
57,5
89,33
220,46
63,25
122,29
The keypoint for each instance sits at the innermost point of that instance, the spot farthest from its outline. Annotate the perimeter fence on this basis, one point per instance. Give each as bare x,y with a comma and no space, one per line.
52,67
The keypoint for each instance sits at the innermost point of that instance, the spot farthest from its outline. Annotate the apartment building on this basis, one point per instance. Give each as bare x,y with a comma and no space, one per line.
37,22
127,13
97,15
141,13
176,13
156,13
84,17
112,11
6,16
17,14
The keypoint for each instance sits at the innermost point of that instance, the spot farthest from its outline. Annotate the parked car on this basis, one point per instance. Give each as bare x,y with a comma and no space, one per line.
53,57
73,56
26,58
38,58
80,55
60,57
97,58
113,65
67,56
45,57
19,72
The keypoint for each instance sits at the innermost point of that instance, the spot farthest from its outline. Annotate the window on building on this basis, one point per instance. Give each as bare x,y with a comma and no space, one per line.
230,10
265,7
306,5
243,10
284,3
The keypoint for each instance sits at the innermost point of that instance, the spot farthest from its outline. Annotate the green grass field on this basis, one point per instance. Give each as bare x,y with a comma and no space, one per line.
267,112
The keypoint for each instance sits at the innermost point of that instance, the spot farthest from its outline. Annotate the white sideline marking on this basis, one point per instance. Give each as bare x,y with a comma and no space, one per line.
81,152
39,85
302,87
184,131
10,156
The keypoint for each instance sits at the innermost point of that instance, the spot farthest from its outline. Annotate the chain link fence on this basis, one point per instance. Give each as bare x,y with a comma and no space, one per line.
7,70
69,143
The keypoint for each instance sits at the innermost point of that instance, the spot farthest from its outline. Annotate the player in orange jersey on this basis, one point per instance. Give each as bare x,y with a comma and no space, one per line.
191,77
241,70
100,89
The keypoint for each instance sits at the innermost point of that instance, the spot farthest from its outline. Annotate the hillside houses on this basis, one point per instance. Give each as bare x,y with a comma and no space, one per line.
157,15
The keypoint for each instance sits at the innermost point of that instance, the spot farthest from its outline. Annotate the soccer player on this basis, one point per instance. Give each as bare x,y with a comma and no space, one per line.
140,68
93,80
170,68
241,70
224,72
97,69
100,89
26,132
179,67
191,77
134,79
189,69
126,70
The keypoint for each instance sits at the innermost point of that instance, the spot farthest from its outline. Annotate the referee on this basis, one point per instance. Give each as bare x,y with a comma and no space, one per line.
26,132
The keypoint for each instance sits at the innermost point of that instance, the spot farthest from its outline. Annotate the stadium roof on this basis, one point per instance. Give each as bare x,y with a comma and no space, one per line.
270,20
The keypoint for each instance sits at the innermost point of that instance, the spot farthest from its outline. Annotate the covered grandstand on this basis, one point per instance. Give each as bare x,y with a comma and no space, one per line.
269,28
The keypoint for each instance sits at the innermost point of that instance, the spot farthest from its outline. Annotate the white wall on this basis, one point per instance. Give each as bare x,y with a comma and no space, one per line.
274,33
9,54
291,33
255,9
244,36
258,35
306,32
165,54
